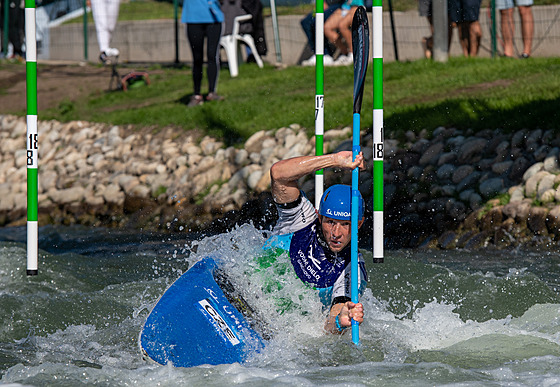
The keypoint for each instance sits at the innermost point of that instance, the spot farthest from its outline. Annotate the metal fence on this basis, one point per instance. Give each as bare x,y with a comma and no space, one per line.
63,33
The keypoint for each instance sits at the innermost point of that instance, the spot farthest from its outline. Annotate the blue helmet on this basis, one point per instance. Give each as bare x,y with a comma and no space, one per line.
336,203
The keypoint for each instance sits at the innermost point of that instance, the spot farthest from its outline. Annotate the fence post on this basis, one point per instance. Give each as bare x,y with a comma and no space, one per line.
441,30
85,32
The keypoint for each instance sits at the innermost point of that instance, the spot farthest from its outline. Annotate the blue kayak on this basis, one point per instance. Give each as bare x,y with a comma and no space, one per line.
194,323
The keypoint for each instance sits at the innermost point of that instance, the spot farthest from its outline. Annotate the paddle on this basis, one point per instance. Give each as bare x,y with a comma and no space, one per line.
360,44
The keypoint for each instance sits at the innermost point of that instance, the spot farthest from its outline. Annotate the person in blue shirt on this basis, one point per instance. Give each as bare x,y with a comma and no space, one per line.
204,20
319,244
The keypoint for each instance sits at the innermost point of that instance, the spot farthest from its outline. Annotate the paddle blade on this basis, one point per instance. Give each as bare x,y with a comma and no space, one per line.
360,47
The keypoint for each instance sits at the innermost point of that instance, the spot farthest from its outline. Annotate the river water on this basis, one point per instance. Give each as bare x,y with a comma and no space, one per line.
461,318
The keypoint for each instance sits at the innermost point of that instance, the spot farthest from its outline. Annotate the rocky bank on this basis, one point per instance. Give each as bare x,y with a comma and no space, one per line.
447,189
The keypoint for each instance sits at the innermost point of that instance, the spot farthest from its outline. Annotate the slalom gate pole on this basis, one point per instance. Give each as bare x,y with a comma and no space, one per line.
378,144
319,95
360,44
32,140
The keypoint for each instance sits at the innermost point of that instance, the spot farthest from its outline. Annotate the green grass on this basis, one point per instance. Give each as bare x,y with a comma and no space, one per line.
464,93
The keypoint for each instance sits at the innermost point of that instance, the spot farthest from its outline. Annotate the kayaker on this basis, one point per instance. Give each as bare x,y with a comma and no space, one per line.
319,243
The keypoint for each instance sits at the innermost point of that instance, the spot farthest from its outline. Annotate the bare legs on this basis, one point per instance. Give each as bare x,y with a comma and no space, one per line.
470,34
340,23
508,28
527,28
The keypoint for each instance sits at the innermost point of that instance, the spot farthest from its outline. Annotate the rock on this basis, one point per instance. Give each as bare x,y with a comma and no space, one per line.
7,202
551,163
447,240
471,149
254,179
253,143
553,220
445,172
502,168
67,196
546,184
533,170
461,173
468,182
533,181
113,194
431,155
536,221
519,167
517,194
492,219
47,180
547,196
491,187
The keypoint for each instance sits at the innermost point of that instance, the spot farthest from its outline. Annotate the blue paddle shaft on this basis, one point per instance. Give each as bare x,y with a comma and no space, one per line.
354,227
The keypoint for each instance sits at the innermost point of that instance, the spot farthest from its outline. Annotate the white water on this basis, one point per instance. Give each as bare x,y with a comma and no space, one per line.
78,323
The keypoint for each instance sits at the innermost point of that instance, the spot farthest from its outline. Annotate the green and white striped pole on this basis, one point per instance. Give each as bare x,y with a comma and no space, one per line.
319,95
32,141
377,14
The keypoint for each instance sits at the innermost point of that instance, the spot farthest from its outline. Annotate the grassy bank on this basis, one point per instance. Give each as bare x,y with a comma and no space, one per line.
464,93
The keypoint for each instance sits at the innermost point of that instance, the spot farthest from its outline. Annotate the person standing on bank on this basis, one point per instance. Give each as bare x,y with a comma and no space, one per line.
508,26
319,244
105,15
464,14
204,20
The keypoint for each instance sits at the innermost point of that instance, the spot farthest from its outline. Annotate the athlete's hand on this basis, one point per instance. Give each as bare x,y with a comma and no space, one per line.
351,311
344,160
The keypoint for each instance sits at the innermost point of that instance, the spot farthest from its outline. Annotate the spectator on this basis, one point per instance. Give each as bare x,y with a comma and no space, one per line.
308,26
338,31
105,15
508,27
464,14
255,8
204,20
425,9
16,27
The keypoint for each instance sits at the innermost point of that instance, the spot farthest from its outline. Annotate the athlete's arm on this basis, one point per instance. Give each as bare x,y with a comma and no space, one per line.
346,312
284,174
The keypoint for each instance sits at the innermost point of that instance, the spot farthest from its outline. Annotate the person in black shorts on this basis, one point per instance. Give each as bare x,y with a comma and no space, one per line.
464,14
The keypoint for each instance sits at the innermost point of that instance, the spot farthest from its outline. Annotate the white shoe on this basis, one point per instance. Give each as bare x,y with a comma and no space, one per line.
344,60
112,52
309,62
327,61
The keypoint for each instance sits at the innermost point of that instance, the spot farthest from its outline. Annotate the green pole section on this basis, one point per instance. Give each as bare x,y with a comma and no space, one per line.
6,27
377,14
32,140
85,32
319,95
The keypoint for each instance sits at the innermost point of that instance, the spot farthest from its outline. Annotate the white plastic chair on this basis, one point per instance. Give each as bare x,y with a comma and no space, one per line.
230,43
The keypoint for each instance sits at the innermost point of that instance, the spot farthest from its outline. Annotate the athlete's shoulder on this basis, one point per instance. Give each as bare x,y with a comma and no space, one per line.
294,216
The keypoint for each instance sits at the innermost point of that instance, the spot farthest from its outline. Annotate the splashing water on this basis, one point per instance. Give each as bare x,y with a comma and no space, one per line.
432,318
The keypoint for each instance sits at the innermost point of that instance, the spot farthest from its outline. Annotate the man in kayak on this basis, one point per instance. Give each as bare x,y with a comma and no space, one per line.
319,244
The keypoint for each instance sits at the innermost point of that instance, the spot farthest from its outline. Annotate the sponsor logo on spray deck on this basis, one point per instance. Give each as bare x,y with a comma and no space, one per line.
338,213
225,307
217,320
